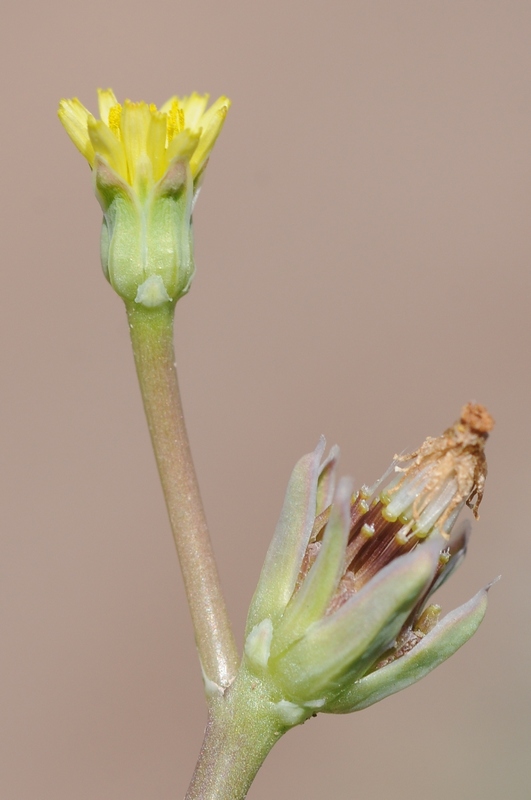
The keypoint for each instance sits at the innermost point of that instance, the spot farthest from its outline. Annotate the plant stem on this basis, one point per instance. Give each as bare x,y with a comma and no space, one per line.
152,339
242,728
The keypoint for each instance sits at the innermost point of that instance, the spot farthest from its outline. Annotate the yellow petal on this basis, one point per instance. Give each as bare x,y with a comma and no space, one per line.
215,117
156,144
106,100
183,145
74,117
221,103
134,126
194,108
108,146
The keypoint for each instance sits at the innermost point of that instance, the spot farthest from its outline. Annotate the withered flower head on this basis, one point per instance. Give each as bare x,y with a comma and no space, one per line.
443,474
340,617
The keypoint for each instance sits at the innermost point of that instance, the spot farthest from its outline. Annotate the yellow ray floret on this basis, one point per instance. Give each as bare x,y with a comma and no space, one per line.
138,141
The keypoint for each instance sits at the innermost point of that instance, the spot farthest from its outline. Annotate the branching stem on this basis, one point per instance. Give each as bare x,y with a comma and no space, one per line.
243,726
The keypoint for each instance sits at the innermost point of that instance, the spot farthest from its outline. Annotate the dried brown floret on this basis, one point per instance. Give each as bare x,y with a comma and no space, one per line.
477,418
458,454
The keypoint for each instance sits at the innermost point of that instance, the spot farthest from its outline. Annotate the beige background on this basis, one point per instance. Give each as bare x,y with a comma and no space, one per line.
363,253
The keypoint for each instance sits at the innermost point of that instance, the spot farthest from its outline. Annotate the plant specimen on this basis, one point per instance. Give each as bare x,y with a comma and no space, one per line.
341,617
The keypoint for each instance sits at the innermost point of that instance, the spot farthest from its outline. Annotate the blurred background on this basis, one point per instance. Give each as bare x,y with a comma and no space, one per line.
363,251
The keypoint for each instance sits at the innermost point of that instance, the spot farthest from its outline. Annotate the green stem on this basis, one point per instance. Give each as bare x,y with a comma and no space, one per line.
152,339
242,729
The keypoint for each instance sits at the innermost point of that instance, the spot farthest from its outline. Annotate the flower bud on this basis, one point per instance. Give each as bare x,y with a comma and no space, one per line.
340,618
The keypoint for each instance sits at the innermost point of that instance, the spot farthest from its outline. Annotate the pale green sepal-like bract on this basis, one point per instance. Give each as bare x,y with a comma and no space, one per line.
309,604
343,645
326,483
149,237
451,633
258,644
286,551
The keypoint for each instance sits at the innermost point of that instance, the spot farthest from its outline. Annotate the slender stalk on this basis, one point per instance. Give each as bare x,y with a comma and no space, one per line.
242,728
152,339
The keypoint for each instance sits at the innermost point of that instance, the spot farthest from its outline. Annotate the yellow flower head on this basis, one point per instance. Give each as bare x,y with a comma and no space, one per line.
139,141
147,166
